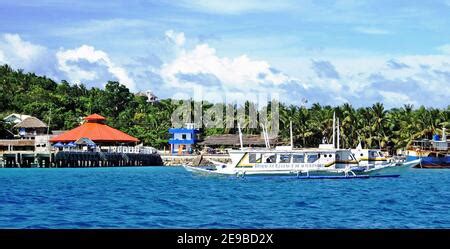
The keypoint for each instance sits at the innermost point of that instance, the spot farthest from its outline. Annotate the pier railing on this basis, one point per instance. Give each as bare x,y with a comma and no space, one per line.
115,149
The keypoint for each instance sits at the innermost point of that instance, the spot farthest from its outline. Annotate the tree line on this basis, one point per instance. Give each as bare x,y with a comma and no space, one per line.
63,105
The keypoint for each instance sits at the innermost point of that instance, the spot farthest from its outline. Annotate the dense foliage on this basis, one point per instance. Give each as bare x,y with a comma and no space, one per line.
63,105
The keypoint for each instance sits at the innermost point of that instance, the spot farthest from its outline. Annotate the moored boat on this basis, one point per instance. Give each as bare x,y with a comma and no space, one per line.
433,153
300,162
328,159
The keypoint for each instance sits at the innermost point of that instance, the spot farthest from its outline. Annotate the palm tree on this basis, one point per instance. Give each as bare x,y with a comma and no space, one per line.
379,121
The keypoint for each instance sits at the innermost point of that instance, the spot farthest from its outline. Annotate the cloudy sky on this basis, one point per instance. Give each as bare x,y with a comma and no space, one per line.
331,52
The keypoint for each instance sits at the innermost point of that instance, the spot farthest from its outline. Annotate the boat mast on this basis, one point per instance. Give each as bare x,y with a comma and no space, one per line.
444,137
264,135
338,134
240,136
334,128
292,138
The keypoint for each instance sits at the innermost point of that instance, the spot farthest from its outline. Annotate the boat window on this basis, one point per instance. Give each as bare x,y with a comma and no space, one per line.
324,155
338,157
298,158
312,158
361,154
330,155
373,154
285,158
271,159
254,158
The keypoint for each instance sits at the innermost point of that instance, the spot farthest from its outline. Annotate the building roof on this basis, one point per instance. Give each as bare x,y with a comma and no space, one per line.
31,122
233,140
94,117
95,129
16,118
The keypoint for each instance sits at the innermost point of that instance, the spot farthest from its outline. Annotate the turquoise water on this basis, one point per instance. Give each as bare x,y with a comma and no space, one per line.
164,197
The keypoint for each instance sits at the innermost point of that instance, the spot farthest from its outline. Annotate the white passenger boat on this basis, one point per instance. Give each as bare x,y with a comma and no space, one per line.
288,162
285,160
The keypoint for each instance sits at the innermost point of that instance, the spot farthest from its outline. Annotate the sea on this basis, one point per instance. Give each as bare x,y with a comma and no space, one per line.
170,197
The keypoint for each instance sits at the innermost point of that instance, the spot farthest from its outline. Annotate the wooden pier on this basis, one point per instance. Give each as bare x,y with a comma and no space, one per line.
77,159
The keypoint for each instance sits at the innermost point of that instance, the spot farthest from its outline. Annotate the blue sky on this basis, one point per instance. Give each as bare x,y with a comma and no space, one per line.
332,52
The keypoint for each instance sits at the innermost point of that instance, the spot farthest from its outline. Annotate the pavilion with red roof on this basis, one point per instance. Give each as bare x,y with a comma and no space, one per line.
96,130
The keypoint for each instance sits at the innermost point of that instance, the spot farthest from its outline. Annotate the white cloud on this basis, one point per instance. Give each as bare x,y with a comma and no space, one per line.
396,99
239,72
177,38
2,57
19,53
68,59
359,79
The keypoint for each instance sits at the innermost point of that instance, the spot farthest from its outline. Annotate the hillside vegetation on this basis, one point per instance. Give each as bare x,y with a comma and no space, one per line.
65,104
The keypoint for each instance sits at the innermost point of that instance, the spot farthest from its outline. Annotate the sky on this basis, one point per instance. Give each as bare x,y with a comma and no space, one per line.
305,51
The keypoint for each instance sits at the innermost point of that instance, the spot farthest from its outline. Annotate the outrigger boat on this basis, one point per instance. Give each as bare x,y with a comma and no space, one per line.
327,161
280,161
433,153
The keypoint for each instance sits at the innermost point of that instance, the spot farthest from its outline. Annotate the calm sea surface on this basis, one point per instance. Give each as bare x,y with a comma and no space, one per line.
163,197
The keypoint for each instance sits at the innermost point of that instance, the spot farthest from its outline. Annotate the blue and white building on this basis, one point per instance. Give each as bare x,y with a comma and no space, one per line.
183,139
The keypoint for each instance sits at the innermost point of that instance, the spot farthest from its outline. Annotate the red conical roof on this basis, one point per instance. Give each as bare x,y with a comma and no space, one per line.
95,131
94,117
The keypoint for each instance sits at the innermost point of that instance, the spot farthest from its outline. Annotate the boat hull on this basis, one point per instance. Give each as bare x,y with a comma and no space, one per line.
431,162
355,170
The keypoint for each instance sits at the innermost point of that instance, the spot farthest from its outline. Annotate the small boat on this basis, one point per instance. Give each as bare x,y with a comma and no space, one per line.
433,153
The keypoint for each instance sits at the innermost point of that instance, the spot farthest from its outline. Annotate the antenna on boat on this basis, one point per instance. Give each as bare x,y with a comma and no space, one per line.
338,134
334,128
240,136
292,138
